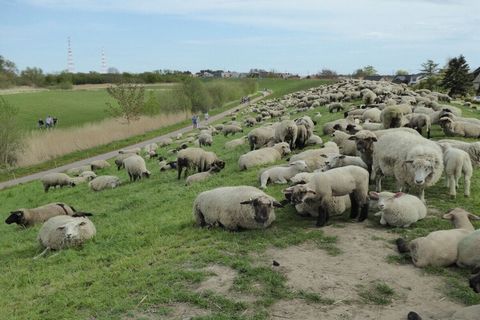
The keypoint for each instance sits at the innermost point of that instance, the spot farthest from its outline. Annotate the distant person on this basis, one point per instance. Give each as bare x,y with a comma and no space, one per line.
206,116
41,123
194,121
48,122
54,121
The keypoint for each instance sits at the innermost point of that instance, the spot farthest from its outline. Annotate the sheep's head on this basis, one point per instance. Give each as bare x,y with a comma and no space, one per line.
460,218
300,165
262,207
219,163
422,169
72,184
146,174
15,217
298,193
384,198
71,232
364,144
283,148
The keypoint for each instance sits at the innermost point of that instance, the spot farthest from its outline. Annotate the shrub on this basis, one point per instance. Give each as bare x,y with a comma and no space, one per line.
10,135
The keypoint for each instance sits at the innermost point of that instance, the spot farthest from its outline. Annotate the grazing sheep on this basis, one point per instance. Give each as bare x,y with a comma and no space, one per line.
104,182
456,162
281,174
29,217
56,179
345,144
473,148
234,208
232,144
413,160
201,176
78,170
302,136
314,140
263,156
335,107
197,158
260,137
440,248
340,160
119,159
349,180
136,168
250,122
459,128
398,209
83,178
393,116
99,164
131,150
205,139
64,231
286,131
230,128
163,142
418,121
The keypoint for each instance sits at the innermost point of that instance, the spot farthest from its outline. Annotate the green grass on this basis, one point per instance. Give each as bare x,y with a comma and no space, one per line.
147,246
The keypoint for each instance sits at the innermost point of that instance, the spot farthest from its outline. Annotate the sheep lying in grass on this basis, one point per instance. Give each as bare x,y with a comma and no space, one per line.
163,142
232,144
78,170
84,177
165,165
473,148
459,128
263,156
281,174
136,168
349,180
234,208
131,150
198,158
201,176
314,140
99,164
316,158
469,251
372,114
398,209
340,160
104,182
456,162
151,150
29,217
56,179
440,248
64,231
231,129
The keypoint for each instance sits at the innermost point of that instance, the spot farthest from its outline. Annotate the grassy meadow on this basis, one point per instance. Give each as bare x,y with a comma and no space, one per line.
148,255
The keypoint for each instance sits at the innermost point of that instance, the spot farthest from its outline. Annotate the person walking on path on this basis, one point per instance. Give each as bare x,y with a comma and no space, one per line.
206,116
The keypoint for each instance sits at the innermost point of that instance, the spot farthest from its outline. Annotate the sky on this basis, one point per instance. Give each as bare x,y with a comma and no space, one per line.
297,36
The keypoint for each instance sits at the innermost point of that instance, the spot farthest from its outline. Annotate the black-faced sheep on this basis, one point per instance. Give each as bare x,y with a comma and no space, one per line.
261,137
29,217
119,159
56,179
136,168
197,158
234,208
205,139
231,129
286,131
459,128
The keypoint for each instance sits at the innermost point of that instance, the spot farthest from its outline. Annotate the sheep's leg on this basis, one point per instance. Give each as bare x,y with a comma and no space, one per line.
466,185
323,216
447,183
44,252
179,171
428,133
353,206
364,211
263,181
452,185
402,245
422,195
200,218
475,283
378,181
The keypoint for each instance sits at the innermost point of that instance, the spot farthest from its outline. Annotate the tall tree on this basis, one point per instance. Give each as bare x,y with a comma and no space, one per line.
365,71
33,77
8,72
429,68
457,79
10,134
130,100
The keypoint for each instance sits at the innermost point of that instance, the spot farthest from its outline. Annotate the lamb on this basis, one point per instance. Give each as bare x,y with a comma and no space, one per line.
345,144
393,116
316,158
119,159
398,209
78,170
99,164
64,231
234,208
372,114
349,180
230,128
56,179
340,160
205,139
136,168
456,162
473,149
263,156
286,131
459,128
131,150
104,182
418,121
198,158
282,174
235,143
29,217
439,248
84,177
311,208
411,159
314,140
260,137
201,176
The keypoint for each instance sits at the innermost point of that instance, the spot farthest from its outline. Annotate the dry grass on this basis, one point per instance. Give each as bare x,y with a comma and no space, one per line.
47,145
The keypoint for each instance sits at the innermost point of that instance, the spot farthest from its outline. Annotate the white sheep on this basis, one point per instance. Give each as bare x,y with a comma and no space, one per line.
231,128
232,144
165,141
104,182
372,114
233,208
205,139
469,251
119,159
263,156
99,164
56,179
316,158
473,148
456,162
260,137
280,174
439,248
314,140
413,160
201,176
398,209
135,150
29,217
345,144
78,170
150,150
459,128
136,168
349,180
197,158
64,231
286,131
340,160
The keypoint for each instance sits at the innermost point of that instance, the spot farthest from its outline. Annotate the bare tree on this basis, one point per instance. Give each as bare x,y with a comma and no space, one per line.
130,100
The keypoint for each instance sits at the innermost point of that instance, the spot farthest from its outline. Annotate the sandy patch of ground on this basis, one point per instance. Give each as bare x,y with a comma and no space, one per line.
177,311
220,282
361,264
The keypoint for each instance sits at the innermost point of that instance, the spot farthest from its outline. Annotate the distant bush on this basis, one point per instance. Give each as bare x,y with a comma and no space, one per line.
65,85
11,139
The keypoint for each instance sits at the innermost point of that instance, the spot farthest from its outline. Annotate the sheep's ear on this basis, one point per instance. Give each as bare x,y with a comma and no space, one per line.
352,138
409,161
448,216
373,139
473,217
342,157
277,204
398,194
373,195
288,190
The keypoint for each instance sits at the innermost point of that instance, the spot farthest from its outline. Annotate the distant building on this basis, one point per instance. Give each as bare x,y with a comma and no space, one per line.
378,78
230,74
410,79
476,81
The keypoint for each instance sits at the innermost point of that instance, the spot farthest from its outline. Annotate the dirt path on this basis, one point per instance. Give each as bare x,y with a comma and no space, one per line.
109,155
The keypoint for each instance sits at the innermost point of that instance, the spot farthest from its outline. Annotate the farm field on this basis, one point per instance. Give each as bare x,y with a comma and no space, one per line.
149,261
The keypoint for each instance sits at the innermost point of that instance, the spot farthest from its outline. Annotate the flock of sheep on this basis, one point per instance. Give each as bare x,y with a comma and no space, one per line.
381,137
